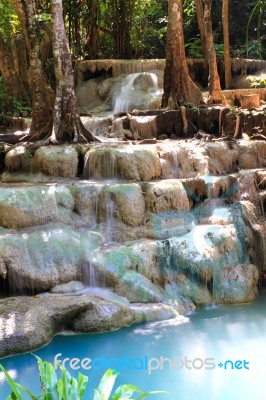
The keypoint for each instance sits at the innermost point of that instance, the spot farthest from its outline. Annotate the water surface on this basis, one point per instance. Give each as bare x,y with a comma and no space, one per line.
234,333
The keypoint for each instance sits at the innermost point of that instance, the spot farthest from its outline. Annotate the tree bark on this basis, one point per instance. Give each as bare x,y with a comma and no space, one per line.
12,82
178,86
215,92
41,92
200,19
67,125
227,60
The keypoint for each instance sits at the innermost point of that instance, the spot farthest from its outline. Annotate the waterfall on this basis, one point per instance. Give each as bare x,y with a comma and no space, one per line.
109,234
123,99
138,90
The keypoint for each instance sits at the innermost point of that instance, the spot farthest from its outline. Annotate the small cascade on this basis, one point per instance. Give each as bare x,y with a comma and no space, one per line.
176,169
122,100
91,123
100,166
138,90
92,276
109,234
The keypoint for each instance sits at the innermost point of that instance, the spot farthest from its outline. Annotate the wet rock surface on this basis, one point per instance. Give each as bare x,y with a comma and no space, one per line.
28,323
169,225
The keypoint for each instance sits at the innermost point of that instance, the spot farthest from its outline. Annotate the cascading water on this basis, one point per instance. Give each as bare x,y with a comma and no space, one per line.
137,90
122,100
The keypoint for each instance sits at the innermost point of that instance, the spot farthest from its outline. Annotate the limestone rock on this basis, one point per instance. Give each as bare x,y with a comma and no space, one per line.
221,158
138,256
140,162
168,224
38,319
102,317
238,284
138,289
70,287
122,201
19,159
252,154
57,161
154,312
188,291
43,257
166,195
22,207
86,202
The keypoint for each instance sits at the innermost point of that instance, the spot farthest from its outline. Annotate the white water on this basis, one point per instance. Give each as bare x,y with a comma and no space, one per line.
131,96
122,100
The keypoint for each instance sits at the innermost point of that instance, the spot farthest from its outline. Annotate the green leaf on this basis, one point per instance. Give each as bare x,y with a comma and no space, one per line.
97,395
106,384
13,385
124,392
82,384
147,394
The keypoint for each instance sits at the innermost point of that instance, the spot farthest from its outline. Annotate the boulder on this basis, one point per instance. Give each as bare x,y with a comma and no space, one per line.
138,289
166,195
221,157
238,284
166,224
103,316
139,163
86,196
42,257
188,291
19,159
252,154
206,248
38,319
56,161
121,201
140,256
22,207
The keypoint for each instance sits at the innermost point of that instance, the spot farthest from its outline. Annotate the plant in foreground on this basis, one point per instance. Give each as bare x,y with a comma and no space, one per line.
69,388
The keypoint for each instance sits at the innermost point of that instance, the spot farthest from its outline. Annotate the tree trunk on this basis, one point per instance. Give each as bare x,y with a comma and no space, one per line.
67,125
12,83
41,92
215,92
178,86
227,60
200,19
20,56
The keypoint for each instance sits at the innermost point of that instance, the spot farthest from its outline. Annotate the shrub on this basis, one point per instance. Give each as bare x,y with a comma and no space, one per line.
69,388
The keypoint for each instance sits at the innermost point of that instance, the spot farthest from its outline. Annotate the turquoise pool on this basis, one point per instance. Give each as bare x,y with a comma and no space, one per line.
234,336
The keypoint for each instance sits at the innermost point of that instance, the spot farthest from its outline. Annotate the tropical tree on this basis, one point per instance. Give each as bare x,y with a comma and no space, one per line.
67,125
11,79
41,92
54,115
215,92
200,19
178,86
227,60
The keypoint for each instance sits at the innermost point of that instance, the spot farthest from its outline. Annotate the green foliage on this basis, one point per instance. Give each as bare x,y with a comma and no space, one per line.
256,13
11,106
257,81
219,48
193,48
9,23
69,388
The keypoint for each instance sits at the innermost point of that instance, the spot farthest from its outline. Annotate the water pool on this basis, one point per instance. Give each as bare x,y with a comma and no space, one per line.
224,333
